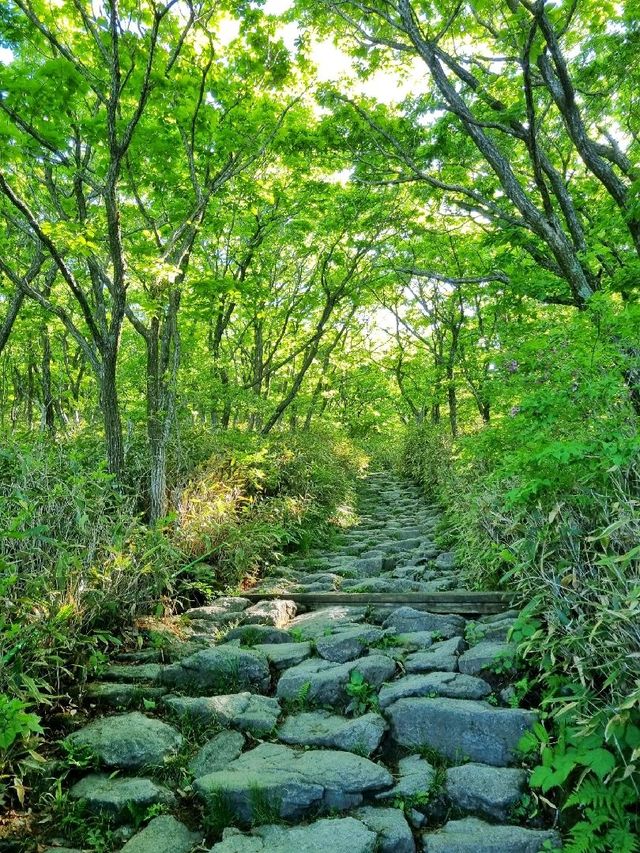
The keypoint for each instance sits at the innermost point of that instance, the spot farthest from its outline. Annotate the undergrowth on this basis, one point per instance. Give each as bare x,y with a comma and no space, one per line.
548,506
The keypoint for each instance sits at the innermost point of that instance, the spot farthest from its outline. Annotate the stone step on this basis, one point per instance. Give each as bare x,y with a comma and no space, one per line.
475,836
460,729
354,711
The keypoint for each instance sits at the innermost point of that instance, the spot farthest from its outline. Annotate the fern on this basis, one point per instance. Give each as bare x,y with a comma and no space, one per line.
605,826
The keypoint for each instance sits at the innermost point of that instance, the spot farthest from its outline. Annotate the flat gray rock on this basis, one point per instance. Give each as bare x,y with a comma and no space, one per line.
460,729
483,657
453,685
116,796
217,753
361,735
284,655
376,584
414,780
320,622
483,790
278,613
246,711
446,561
128,741
348,643
406,619
339,835
222,669
499,617
295,783
416,640
321,682
440,657
254,635
391,827
496,631
223,604
475,836
210,627
163,834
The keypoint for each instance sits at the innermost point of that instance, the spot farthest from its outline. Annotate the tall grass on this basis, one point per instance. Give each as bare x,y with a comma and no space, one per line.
570,552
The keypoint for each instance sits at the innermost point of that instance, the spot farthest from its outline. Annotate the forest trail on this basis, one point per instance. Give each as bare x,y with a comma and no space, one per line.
347,729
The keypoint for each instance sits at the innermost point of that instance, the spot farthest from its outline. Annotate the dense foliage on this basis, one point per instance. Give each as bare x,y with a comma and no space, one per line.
224,264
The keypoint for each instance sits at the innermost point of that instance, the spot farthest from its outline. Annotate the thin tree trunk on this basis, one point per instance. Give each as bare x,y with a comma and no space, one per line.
48,410
110,409
453,407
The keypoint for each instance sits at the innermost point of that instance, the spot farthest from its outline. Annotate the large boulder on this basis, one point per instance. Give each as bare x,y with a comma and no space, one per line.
116,796
246,711
128,741
324,729
483,790
341,835
321,682
292,783
474,836
217,753
222,669
451,684
460,729
163,834
406,619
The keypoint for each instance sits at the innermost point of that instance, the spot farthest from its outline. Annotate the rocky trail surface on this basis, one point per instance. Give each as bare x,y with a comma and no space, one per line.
345,729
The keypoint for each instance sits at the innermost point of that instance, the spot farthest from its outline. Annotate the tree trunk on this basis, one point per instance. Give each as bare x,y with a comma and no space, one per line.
155,418
110,409
48,410
453,407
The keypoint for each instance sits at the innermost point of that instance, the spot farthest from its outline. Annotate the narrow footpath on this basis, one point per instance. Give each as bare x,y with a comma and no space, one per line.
345,729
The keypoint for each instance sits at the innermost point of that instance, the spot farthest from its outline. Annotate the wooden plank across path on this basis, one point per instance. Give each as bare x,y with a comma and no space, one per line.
456,601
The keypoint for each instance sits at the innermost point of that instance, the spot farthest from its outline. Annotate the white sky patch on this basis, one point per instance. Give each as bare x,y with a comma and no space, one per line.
341,177
387,87
228,30
277,7
6,56
289,33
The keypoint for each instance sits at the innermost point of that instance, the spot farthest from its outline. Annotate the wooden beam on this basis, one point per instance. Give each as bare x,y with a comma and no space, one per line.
436,602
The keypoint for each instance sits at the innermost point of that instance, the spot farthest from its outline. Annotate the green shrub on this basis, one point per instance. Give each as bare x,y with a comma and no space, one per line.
255,500
545,501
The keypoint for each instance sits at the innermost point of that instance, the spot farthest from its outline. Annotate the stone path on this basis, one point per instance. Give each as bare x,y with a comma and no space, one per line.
345,729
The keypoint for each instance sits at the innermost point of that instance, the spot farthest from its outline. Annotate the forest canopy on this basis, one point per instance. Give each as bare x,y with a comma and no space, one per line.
244,245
